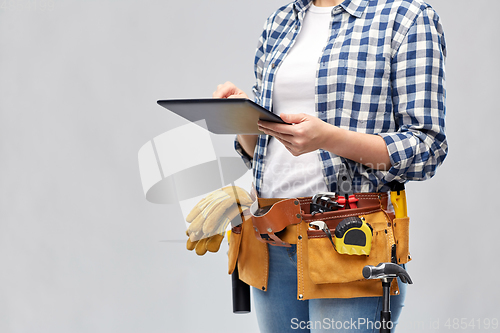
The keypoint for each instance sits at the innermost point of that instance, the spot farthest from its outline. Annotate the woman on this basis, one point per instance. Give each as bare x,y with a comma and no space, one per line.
363,83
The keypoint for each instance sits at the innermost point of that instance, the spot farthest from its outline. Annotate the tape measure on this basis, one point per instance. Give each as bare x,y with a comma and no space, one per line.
353,236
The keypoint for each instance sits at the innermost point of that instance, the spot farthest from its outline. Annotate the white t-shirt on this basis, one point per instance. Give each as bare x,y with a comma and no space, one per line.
287,176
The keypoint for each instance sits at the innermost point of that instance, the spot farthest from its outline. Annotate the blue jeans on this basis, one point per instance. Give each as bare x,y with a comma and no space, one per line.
278,309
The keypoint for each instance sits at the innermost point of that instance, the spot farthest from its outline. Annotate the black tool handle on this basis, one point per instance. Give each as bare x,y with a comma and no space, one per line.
385,314
386,323
241,294
396,186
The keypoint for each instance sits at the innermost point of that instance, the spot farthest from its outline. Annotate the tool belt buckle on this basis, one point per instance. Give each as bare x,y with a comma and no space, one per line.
267,235
271,238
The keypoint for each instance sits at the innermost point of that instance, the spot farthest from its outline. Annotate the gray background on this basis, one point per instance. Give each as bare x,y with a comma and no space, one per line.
81,250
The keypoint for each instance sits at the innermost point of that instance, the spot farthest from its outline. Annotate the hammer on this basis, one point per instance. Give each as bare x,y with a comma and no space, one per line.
386,272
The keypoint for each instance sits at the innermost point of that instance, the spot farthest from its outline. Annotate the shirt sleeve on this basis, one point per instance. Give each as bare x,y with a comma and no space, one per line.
259,61
418,92
239,149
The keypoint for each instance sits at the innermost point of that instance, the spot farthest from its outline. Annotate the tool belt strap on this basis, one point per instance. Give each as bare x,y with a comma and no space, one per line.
275,220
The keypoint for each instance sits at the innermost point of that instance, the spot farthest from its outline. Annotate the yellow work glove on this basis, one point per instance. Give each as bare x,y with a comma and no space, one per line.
211,216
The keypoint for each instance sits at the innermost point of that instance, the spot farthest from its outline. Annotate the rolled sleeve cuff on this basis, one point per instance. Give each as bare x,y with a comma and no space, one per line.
401,152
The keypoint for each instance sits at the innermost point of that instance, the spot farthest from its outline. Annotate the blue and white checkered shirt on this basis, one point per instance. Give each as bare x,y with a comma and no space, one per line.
381,72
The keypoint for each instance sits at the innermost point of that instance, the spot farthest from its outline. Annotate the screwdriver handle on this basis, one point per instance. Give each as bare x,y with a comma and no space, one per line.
398,199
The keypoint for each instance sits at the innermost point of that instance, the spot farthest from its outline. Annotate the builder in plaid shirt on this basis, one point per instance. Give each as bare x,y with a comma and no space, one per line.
363,83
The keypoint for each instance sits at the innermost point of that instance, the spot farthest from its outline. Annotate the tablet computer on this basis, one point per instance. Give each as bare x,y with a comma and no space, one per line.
222,115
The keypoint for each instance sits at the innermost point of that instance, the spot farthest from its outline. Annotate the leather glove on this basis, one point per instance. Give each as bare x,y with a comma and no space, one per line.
211,216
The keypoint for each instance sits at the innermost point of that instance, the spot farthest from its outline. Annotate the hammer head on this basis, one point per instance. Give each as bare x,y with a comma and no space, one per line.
386,270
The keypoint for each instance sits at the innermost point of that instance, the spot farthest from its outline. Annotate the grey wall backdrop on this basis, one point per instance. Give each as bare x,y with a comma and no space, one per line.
81,250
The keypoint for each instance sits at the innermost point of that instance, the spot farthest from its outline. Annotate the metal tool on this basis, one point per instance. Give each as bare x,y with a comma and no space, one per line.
386,272
324,202
344,188
320,225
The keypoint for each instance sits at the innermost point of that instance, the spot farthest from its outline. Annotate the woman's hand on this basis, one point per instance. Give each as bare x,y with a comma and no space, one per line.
308,133
228,90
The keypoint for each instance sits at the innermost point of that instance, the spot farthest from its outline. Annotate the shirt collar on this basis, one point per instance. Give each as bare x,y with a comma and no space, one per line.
301,5
353,7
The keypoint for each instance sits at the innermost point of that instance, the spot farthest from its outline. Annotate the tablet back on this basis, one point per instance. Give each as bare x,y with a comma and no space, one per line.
222,115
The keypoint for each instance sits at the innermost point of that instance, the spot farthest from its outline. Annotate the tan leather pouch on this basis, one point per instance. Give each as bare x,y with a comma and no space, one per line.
402,238
326,265
234,248
249,254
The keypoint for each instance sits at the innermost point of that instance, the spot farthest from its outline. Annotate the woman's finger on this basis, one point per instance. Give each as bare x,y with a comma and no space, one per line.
228,90
280,136
277,127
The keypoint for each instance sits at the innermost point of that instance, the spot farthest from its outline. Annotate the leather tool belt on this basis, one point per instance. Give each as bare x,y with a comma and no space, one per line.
275,220
321,271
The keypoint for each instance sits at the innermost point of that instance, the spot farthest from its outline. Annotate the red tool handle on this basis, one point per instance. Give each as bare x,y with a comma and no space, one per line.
351,201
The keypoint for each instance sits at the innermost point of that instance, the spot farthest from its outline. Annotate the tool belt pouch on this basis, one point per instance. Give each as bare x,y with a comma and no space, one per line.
326,265
249,254
401,227
234,248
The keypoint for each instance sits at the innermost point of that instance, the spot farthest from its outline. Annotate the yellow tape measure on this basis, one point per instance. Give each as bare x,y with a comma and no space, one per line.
353,236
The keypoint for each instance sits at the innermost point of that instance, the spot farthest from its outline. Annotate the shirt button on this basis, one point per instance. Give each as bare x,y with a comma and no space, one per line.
273,65
296,27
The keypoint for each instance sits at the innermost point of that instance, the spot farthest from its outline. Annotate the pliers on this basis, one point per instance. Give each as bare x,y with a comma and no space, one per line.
324,202
344,188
